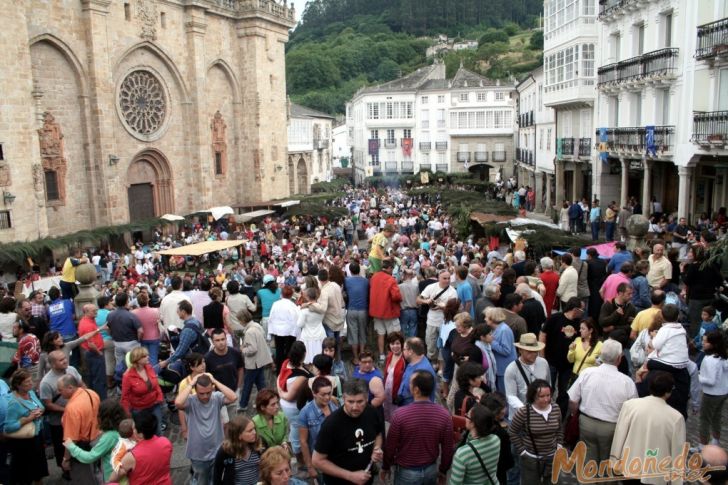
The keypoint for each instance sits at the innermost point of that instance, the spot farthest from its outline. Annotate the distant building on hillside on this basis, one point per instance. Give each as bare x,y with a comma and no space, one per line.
443,44
309,148
424,121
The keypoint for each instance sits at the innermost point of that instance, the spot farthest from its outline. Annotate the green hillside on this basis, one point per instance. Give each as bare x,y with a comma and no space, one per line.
339,48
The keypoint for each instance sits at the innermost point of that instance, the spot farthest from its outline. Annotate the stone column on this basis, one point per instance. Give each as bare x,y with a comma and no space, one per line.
624,187
102,117
685,175
560,182
647,188
578,188
549,202
538,187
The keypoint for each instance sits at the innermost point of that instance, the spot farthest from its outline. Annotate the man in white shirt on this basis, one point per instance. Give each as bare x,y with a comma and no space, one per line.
524,370
569,280
436,296
168,307
598,394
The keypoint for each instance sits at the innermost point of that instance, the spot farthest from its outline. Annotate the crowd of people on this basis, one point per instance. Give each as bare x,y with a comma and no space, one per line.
380,345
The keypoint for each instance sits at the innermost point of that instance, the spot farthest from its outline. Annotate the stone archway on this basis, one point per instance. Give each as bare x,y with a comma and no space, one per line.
291,177
149,186
302,173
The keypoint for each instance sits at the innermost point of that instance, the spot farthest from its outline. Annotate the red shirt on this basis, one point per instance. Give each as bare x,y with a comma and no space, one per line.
88,325
551,282
152,458
384,296
136,393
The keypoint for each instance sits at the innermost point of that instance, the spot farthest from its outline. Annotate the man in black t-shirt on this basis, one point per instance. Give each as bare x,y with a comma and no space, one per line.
557,336
225,364
350,440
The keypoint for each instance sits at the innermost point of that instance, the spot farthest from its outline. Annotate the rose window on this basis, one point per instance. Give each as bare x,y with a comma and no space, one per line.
142,102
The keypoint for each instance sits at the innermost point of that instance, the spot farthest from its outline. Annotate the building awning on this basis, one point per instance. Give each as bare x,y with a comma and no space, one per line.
288,203
199,249
249,216
483,218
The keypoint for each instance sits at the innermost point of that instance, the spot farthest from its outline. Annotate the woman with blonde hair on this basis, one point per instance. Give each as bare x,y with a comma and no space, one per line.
275,468
238,459
140,389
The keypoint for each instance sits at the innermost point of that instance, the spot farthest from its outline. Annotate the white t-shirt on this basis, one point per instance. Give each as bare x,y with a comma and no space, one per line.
436,318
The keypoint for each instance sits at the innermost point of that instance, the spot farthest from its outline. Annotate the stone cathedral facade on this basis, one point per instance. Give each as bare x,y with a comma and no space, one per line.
113,111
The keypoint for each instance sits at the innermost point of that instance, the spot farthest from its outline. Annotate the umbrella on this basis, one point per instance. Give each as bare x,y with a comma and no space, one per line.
218,212
172,217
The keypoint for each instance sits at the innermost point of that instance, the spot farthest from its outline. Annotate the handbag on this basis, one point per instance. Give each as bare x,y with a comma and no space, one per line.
482,464
571,429
575,375
458,422
26,431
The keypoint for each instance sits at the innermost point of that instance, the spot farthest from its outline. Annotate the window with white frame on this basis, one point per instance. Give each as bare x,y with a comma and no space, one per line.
441,118
425,115
482,97
540,139
425,157
424,99
441,99
390,136
373,111
500,96
722,104
464,97
407,133
375,134
548,138
589,7
587,60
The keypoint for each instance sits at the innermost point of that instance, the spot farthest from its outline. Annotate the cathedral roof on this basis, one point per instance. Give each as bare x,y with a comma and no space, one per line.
298,111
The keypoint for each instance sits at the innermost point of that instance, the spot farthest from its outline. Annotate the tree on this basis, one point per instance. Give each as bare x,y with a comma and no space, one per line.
387,70
493,35
310,70
536,42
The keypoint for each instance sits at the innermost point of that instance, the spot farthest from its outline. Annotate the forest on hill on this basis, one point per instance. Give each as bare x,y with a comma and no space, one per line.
342,45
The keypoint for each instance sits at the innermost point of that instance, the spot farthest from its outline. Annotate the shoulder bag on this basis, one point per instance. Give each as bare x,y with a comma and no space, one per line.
458,422
571,429
27,430
541,463
482,464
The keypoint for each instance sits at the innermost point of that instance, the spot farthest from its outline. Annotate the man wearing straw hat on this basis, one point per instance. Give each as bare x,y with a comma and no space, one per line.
524,370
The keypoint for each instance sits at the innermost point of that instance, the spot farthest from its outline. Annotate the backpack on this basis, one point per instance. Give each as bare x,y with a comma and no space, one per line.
202,344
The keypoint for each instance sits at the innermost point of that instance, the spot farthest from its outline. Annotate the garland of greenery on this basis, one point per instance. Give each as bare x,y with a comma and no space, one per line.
19,252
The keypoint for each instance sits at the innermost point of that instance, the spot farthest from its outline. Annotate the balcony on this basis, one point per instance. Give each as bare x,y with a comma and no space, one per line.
712,40
519,155
408,167
390,143
611,10
390,167
463,157
441,146
425,167
525,119
585,147
441,167
499,156
425,146
710,129
481,157
567,147
657,65
634,140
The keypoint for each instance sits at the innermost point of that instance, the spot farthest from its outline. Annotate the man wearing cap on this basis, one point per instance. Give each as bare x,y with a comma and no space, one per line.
379,243
524,370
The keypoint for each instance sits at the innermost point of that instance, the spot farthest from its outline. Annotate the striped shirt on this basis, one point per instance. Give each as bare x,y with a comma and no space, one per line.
246,471
546,432
466,468
418,434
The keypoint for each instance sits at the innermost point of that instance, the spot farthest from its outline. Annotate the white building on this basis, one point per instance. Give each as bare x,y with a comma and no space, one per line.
309,148
570,43
536,140
341,149
424,121
662,118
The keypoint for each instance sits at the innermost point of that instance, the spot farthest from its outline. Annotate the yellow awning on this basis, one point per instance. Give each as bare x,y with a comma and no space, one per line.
199,249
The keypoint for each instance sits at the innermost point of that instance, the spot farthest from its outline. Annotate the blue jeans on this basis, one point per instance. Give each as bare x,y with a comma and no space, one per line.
153,347
156,410
202,472
595,230
251,376
95,371
408,322
293,436
610,230
416,476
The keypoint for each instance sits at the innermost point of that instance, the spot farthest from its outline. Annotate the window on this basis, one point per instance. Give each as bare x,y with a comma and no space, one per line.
640,41
390,135
389,110
425,158
500,96
441,118
637,109
5,220
441,99
589,7
375,134
375,160
540,97
480,119
616,46
548,139
2,154
425,118
540,139
51,185
464,97
407,133
482,97
127,11
408,110
587,59
424,99
722,104
163,20
218,163
373,111
464,147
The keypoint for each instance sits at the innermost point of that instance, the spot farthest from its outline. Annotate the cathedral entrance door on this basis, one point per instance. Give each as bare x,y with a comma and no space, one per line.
141,202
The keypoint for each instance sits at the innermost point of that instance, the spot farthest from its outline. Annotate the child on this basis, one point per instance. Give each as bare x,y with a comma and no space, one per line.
714,380
125,444
329,348
707,324
311,325
484,338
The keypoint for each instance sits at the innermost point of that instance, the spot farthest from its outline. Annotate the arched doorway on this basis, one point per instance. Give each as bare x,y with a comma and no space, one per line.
291,177
302,176
149,186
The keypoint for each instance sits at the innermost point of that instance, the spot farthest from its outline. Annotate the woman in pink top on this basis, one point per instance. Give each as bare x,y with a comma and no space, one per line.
148,462
150,324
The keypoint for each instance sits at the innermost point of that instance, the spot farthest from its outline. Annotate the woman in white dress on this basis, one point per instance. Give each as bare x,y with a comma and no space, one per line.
311,326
